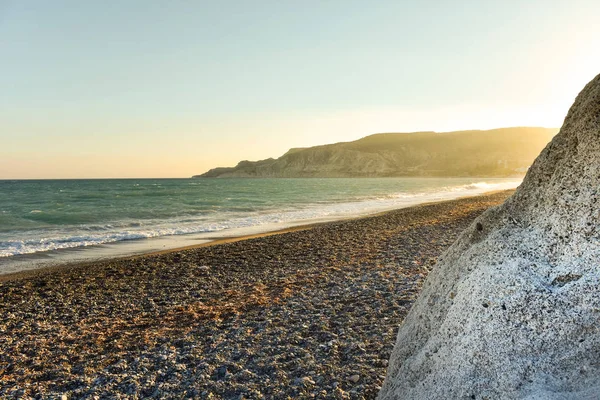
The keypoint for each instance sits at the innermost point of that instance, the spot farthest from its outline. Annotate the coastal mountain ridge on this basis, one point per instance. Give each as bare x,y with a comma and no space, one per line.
500,152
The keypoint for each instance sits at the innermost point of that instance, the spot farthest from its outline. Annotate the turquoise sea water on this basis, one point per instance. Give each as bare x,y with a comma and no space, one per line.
40,216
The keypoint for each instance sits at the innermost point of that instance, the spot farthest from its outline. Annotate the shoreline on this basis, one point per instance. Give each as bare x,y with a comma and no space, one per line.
118,235
24,274
66,265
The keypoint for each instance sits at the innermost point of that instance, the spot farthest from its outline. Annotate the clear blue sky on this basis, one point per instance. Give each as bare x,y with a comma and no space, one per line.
172,88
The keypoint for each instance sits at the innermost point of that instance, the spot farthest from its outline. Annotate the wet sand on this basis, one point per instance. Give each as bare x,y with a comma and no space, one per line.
308,313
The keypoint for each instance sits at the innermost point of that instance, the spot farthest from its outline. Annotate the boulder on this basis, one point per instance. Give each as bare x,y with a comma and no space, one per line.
512,309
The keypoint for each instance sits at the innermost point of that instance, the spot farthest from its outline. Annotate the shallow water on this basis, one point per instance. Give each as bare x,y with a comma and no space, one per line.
48,215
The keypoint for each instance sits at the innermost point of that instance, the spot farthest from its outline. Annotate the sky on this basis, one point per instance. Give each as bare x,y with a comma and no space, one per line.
145,88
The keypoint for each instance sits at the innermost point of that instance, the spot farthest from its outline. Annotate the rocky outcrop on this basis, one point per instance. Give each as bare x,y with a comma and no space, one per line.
512,309
499,152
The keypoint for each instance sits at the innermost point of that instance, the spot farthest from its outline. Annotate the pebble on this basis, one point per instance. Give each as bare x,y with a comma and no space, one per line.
304,381
304,307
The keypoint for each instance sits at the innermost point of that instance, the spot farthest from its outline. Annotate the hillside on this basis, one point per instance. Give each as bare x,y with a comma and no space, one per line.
498,152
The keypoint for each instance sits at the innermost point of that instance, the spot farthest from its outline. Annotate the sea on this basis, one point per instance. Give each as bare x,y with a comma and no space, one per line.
44,222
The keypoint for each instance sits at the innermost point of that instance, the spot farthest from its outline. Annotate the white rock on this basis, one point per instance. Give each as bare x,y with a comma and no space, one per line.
304,381
512,309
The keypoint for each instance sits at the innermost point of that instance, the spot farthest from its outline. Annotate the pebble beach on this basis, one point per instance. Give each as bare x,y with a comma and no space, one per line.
310,313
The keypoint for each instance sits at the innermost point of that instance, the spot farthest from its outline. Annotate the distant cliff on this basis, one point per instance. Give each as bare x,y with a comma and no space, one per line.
498,153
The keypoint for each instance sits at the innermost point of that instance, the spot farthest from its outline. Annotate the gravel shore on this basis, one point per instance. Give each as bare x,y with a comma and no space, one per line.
304,314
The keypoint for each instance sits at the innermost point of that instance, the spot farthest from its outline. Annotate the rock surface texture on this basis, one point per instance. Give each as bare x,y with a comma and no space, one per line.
512,309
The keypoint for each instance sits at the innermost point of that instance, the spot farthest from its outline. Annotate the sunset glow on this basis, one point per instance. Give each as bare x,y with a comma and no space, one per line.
155,90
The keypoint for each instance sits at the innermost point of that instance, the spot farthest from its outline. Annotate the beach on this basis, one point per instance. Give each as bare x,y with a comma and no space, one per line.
307,313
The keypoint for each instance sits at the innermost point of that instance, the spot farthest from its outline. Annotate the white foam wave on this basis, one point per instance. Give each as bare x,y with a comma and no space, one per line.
229,221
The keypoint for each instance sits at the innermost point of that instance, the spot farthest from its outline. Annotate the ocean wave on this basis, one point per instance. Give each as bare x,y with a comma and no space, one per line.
482,187
230,220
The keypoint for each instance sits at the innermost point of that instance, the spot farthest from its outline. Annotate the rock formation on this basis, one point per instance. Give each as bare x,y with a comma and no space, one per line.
512,309
498,152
